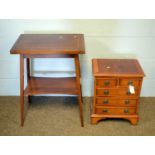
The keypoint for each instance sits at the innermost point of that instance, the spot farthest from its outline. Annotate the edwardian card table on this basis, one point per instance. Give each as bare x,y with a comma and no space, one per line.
49,46
113,96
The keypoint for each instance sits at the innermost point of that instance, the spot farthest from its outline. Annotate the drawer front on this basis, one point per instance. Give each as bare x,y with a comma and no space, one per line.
102,83
133,81
115,102
115,111
114,92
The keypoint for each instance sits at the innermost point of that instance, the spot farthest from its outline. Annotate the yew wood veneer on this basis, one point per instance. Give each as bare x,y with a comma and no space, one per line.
49,46
113,97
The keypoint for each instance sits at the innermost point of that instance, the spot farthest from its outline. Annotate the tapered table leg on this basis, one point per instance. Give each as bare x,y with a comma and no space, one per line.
28,75
77,70
22,89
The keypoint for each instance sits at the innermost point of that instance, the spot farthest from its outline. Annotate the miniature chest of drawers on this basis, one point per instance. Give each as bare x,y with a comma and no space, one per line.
117,86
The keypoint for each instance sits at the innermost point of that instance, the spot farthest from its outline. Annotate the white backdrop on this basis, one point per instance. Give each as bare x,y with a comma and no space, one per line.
103,39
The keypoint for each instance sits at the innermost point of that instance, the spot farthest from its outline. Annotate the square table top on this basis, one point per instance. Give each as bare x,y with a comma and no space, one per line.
49,44
117,67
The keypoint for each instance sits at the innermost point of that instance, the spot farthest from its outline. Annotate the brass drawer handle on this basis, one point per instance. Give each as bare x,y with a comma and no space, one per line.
106,92
127,101
128,92
106,101
126,111
105,110
106,83
130,82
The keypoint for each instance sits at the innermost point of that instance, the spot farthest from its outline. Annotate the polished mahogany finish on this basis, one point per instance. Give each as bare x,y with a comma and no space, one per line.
112,95
40,85
49,46
117,67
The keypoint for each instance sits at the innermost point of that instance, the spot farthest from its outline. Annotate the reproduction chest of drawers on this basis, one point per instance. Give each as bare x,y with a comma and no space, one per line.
117,86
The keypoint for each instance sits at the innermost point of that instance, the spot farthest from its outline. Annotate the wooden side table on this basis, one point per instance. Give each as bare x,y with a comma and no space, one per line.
49,46
117,86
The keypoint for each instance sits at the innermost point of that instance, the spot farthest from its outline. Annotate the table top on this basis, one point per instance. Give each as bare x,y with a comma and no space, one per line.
49,44
117,67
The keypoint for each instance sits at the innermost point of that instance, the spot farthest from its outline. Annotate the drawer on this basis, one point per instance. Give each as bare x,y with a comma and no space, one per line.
130,81
116,111
101,83
116,91
102,101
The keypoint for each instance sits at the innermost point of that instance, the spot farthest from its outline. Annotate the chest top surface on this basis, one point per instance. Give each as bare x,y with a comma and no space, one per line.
49,44
117,67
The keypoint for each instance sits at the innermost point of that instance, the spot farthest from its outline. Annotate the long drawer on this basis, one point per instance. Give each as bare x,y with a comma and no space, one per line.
116,111
113,101
116,91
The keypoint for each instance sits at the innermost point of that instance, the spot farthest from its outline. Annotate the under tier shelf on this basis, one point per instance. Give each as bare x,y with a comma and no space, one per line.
42,85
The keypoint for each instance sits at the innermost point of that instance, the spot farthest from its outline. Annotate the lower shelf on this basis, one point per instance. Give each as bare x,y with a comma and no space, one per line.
39,85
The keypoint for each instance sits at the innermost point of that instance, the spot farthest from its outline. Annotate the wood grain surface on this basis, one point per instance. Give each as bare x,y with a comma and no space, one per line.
49,44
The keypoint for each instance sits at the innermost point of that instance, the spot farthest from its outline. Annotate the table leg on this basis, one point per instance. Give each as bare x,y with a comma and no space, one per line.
28,75
22,89
77,70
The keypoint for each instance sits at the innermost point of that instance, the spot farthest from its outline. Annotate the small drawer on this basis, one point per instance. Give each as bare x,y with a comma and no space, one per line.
115,91
101,83
126,82
116,111
102,101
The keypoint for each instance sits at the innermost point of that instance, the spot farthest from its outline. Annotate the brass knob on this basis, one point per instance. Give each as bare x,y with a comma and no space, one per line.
106,83
105,110
130,82
106,92
128,92
127,101
106,101
126,111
